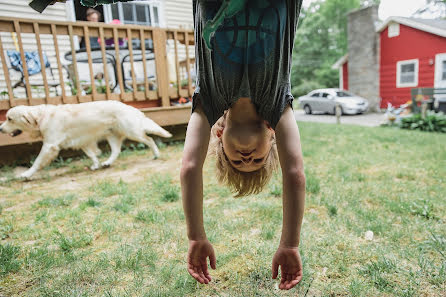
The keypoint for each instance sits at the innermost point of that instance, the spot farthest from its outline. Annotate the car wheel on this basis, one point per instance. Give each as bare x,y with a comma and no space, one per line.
307,109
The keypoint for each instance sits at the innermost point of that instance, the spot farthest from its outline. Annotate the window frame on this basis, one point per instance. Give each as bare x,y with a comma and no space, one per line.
108,16
399,65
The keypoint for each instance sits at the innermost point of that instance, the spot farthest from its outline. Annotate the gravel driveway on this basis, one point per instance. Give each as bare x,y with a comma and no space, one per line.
369,119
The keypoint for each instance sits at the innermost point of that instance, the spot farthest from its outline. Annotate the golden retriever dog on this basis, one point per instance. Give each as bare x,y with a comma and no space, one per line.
81,126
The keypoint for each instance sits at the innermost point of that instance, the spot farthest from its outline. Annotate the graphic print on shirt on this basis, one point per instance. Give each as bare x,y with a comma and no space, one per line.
249,36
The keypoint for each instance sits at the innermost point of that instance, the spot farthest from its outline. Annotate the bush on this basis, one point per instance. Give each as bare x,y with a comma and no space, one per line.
304,88
433,122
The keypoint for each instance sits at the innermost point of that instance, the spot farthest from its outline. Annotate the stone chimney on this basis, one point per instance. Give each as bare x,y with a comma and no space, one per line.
363,54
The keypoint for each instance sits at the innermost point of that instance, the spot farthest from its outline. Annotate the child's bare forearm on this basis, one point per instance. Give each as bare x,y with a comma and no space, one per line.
192,193
194,155
293,207
291,162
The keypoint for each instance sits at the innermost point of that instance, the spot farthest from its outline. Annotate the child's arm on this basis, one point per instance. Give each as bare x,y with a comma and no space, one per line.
195,150
291,161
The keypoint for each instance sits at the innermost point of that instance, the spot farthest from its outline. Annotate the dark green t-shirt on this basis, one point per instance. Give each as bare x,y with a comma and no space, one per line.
244,52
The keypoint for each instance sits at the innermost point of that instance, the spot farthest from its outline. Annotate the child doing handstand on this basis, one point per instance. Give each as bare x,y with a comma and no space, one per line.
243,60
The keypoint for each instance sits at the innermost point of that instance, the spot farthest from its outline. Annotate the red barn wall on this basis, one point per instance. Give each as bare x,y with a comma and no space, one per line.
410,44
345,76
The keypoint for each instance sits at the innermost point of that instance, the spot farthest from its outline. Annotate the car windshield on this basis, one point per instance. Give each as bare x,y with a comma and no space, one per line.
343,94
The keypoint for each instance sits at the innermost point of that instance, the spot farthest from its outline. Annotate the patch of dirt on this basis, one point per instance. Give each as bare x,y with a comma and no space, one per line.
130,169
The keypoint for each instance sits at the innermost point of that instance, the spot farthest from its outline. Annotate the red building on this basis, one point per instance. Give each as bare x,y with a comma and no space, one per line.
412,54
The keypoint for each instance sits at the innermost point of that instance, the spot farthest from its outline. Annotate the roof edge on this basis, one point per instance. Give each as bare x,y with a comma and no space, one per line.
340,62
413,24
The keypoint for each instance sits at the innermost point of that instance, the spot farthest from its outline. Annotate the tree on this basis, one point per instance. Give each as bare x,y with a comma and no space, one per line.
321,40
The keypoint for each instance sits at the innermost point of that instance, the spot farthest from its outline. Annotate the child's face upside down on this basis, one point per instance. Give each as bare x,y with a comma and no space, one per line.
247,142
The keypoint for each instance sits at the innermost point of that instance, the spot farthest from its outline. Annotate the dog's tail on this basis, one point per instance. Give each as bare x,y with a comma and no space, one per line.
151,127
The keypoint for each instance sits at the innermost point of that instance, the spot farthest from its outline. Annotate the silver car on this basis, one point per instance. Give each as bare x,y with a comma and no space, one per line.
324,100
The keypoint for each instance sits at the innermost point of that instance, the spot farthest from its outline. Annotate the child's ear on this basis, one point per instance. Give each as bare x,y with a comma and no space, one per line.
219,133
268,126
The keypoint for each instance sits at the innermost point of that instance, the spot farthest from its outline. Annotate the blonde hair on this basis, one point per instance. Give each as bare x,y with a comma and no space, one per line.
242,183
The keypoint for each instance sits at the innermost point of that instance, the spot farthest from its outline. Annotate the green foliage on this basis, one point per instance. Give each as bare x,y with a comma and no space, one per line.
8,259
305,87
320,41
433,122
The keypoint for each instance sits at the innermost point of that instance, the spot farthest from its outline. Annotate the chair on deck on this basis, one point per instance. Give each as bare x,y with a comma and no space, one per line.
34,68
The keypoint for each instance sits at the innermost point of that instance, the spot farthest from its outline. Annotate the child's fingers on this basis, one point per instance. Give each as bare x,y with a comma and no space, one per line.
275,269
213,260
201,274
193,271
204,267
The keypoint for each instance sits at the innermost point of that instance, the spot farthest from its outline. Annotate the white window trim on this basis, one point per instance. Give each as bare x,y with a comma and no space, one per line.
160,4
341,77
439,58
398,73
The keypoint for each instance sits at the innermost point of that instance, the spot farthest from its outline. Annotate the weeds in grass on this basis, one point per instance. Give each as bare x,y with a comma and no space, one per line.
148,216
40,258
378,271
9,261
275,189
60,162
332,210
91,202
312,184
107,188
165,188
423,209
125,203
67,244
61,201
133,258
437,243
6,228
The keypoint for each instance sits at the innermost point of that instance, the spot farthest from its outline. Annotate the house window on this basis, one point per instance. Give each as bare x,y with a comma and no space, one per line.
394,30
407,74
443,76
140,12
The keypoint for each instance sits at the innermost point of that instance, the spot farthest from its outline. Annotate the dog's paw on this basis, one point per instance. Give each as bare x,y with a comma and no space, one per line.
94,167
105,165
26,175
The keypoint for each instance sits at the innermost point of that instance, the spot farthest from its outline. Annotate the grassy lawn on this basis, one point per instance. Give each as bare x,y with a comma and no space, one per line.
121,231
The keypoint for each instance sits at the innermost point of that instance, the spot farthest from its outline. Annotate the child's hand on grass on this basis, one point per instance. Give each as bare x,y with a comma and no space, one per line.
197,266
291,267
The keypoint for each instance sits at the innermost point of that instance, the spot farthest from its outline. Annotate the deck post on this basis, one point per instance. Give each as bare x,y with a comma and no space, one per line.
159,40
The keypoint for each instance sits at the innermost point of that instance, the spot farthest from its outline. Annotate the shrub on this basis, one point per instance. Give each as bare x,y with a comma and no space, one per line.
304,88
433,122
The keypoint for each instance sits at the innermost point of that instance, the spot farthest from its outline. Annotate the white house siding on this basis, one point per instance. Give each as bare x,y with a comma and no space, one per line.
20,9
178,14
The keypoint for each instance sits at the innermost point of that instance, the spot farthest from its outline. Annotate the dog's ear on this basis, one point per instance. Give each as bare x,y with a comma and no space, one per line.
30,120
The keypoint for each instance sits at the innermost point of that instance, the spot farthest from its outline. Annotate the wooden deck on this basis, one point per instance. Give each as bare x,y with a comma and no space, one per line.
132,64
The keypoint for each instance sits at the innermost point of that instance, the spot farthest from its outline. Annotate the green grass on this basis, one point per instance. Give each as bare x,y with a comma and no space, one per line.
119,236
